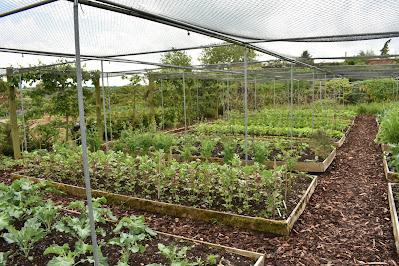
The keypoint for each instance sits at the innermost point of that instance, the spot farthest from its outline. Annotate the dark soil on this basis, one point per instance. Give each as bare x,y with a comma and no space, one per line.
346,222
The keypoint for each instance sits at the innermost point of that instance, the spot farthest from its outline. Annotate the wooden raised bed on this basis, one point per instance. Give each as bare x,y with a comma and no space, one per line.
389,175
277,227
307,166
394,215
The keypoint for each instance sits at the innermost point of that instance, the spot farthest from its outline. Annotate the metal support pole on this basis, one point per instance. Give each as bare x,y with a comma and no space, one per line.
274,92
255,94
313,86
198,110
25,143
228,98
104,107
82,123
109,108
246,102
291,97
163,110
184,103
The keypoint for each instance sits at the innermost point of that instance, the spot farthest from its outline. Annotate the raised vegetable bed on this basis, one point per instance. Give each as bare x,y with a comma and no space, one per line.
278,227
46,232
304,166
394,212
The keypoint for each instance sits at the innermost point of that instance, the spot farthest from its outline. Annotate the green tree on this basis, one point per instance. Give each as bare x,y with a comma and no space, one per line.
178,58
306,57
225,54
385,48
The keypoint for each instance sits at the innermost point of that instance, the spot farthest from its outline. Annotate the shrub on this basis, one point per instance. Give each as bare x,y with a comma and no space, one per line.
389,128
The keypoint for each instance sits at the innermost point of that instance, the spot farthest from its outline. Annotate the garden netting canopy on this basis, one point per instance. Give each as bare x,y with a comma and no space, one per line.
106,31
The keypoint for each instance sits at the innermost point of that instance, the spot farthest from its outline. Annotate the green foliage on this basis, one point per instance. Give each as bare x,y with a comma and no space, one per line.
176,256
47,214
67,257
207,146
389,128
26,237
369,109
385,49
177,58
225,54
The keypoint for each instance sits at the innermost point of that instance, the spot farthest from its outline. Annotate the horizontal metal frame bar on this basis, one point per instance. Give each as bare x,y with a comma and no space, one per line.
25,8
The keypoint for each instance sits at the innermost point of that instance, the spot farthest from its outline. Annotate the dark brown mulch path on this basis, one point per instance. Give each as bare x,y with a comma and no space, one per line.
346,222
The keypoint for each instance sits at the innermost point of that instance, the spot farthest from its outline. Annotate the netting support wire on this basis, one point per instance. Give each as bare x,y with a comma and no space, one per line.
109,109
25,143
25,8
104,105
184,103
246,102
82,123
162,106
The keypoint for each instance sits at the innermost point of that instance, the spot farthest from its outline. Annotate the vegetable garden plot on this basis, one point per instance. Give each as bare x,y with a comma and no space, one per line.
228,189
304,155
393,198
42,232
277,227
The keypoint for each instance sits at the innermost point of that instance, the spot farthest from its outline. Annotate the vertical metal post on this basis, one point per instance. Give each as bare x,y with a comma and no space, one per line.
25,143
82,123
291,96
198,110
313,86
184,103
109,109
246,102
163,110
255,94
274,92
228,98
104,106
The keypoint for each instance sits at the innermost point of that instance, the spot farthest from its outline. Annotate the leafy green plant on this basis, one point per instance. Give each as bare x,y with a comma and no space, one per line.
176,256
26,237
207,146
65,256
229,148
47,214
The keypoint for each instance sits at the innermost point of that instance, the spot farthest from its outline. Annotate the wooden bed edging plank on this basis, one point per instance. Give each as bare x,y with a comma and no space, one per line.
341,141
277,227
389,175
307,166
394,215
260,259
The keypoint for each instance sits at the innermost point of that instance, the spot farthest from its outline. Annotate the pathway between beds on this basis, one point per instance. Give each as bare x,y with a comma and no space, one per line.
347,220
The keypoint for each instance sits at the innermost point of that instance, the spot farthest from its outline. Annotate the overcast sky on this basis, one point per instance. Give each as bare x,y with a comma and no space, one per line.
50,28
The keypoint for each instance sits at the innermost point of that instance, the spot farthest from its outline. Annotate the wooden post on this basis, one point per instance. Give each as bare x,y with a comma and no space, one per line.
12,105
99,120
